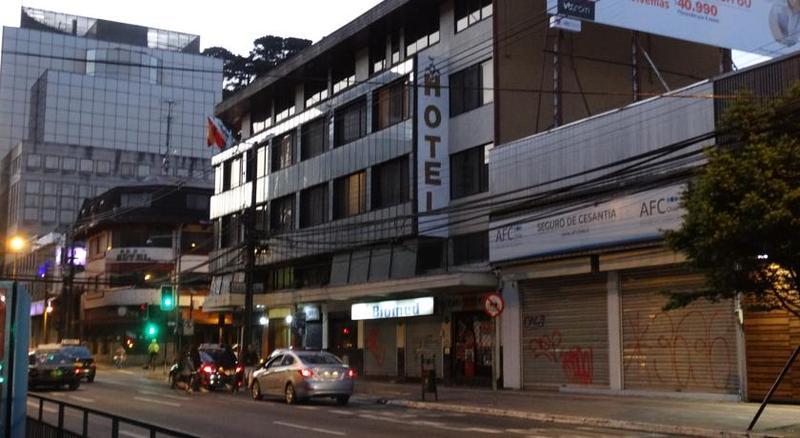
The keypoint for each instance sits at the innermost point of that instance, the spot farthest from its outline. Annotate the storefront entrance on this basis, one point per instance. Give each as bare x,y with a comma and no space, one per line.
472,347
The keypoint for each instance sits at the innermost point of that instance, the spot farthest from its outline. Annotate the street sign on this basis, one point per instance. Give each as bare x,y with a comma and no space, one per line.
188,327
493,304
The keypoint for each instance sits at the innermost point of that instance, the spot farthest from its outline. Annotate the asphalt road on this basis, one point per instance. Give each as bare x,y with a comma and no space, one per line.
211,414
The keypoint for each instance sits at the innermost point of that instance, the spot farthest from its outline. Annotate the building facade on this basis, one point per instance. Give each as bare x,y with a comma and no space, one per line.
89,104
365,161
138,239
584,266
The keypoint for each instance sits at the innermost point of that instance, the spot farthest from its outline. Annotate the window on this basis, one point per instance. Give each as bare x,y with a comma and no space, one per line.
51,162
314,138
281,278
395,48
471,88
390,183
282,151
350,195
431,254
471,248
391,104
261,118
32,187
315,92
34,161
469,172
134,200
282,214
469,12
102,167
284,107
126,169
68,164
423,29
196,201
226,175
377,55
314,206
344,74
86,166
236,172
350,122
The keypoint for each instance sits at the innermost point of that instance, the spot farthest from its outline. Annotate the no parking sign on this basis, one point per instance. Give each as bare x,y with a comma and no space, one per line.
493,304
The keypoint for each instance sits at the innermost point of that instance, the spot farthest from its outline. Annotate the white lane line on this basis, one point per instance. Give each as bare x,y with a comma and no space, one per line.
56,394
130,373
82,399
132,434
340,412
159,402
45,408
482,430
173,397
313,429
308,408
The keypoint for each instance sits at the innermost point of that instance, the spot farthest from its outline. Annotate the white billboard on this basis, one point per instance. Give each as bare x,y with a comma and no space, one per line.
631,218
433,153
392,309
766,27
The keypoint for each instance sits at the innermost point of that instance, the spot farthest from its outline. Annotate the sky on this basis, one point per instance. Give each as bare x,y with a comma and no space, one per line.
233,27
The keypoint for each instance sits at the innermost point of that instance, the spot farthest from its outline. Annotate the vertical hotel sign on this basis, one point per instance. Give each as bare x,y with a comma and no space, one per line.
433,158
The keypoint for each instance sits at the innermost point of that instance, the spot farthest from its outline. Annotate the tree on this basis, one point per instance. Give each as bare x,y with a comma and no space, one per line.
742,221
268,52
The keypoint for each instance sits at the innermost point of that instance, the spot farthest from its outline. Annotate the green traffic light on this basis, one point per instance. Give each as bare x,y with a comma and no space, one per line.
2,379
151,330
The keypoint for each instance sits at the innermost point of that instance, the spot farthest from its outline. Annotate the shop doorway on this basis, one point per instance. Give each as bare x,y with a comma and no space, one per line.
473,334
343,335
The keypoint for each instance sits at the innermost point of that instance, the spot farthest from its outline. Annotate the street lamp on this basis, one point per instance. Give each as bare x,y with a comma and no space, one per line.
16,244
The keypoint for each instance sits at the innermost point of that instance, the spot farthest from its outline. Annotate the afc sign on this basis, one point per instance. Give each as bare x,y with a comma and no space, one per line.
432,151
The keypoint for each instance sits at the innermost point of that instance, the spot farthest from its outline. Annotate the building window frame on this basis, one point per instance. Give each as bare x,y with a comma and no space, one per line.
471,12
350,195
471,88
469,172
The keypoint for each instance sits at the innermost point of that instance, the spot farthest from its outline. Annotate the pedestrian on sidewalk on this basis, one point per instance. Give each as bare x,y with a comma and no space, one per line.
152,350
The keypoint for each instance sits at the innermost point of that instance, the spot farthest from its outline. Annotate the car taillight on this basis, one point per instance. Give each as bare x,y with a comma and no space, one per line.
351,373
208,369
239,370
77,370
305,372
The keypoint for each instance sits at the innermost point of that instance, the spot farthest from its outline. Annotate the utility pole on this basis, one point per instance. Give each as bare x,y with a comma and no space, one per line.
165,159
67,288
250,257
177,279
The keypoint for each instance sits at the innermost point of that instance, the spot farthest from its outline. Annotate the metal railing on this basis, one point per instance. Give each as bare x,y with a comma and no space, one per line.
45,429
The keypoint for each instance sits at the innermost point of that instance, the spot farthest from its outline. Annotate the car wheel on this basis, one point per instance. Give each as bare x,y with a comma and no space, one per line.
342,400
255,391
289,394
74,385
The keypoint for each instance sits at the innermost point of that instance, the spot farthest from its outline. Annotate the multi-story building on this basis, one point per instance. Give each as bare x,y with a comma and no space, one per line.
89,104
365,161
139,238
578,241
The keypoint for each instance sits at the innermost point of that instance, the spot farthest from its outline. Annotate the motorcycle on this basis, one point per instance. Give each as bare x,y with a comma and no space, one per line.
178,375
119,360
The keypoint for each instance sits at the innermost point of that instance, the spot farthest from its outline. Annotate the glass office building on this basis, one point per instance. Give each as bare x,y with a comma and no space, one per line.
88,104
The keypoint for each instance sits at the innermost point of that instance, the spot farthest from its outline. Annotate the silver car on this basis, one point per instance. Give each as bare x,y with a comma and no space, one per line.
300,375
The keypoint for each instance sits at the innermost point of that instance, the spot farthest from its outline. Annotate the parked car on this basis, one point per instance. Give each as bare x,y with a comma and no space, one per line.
219,368
300,375
53,368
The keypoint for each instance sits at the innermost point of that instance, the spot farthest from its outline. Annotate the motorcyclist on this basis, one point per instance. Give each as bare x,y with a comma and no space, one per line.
119,356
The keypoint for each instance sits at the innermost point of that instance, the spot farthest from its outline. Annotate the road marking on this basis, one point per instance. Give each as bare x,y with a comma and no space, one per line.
130,373
82,399
308,408
132,434
159,402
313,429
173,397
341,412
55,394
45,408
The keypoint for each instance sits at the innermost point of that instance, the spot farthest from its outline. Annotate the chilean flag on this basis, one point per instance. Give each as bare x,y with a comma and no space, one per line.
217,134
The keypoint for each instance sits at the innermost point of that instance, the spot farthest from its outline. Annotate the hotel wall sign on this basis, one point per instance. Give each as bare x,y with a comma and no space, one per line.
392,309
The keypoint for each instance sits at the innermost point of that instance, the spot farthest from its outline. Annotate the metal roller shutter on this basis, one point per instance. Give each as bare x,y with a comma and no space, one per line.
423,335
564,332
690,350
380,348
770,339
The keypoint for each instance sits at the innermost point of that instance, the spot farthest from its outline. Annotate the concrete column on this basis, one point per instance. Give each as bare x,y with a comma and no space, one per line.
511,337
614,332
360,340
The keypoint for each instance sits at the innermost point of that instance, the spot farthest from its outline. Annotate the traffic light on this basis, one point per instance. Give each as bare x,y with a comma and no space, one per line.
144,311
151,330
2,373
167,298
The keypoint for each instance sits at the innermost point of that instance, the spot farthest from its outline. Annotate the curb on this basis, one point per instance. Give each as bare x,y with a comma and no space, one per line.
581,421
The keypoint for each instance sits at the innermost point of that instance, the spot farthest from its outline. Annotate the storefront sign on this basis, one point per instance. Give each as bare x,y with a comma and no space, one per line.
433,162
139,255
392,309
630,218
311,313
766,27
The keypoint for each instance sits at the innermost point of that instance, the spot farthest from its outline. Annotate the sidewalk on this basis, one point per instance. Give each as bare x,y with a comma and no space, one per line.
669,416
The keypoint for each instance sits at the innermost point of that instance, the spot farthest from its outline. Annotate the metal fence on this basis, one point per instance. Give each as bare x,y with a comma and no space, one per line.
91,422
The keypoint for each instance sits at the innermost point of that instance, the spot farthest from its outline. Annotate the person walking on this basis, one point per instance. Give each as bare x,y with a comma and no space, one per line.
152,350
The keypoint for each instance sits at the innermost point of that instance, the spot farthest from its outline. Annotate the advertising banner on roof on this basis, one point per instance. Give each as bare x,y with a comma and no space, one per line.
766,27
